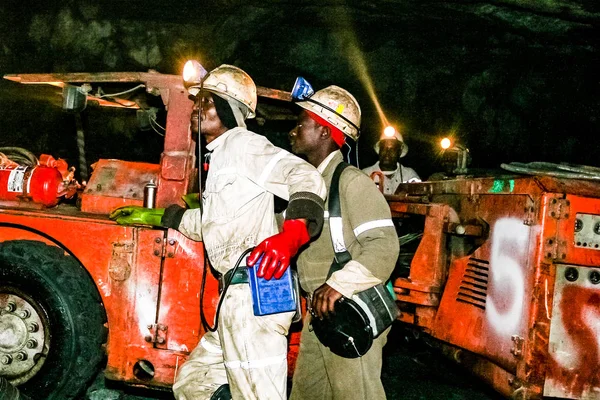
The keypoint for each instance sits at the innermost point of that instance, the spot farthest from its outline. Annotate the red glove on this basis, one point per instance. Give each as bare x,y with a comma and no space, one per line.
278,250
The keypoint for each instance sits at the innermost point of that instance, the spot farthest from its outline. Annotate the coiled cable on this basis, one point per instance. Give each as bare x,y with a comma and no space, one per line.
19,155
205,323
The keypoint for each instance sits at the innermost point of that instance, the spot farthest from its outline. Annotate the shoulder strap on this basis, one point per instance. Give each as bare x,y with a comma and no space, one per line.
342,256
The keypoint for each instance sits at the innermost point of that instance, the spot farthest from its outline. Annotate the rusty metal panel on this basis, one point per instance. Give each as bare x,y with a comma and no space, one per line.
137,296
116,183
428,268
485,306
574,345
179,305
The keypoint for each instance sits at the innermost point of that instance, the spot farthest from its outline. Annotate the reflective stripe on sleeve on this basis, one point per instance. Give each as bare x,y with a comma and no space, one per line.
380,223
269,167
237,364
211,348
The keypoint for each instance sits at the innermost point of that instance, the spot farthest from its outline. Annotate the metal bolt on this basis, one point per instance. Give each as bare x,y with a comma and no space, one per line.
170,255
6,359
595,277
460,229
150,326
31,344
160,340
597,228
157,240
148,338
162,327
172,242
24,314
21,356
10,307
156,252
33,327
571,274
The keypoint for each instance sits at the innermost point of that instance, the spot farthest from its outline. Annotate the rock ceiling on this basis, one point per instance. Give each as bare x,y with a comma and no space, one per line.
514,80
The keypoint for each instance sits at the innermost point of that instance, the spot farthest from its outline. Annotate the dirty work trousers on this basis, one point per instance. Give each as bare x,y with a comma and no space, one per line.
322,375
248,352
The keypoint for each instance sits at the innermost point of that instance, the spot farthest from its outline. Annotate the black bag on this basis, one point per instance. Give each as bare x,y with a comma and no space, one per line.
357,321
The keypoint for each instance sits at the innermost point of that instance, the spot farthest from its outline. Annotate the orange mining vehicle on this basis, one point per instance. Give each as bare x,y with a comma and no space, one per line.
75,287
504,275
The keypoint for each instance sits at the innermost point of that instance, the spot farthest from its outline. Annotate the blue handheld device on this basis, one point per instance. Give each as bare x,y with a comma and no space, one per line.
272,296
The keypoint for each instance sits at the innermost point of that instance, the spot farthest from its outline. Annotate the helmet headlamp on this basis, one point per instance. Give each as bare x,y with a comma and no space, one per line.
193,73
303,91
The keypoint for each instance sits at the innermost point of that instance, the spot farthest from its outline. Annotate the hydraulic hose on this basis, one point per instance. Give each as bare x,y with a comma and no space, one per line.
565,171
20,155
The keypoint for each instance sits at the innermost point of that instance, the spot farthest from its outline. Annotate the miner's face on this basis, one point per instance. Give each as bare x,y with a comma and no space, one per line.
205,117
389,153
304,138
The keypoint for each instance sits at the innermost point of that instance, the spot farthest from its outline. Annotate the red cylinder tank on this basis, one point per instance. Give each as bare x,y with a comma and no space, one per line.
38,184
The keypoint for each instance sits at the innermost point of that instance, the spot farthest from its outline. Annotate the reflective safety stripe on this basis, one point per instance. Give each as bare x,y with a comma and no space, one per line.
326,214
237,364
337,234
269,167
380,223
222,171
211,348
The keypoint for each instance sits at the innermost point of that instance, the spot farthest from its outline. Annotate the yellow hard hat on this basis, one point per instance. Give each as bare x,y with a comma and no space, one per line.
338,107
230,82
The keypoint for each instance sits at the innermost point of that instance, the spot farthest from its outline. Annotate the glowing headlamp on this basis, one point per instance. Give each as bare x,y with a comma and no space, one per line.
193,73
389,132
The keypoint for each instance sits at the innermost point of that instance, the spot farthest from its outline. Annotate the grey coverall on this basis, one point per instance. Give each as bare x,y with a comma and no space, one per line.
248,352
371,239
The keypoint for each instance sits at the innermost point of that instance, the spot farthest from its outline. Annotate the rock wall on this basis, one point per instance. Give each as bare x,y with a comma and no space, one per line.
513,80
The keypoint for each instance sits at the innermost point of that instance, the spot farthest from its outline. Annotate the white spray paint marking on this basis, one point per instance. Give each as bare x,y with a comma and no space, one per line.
509,244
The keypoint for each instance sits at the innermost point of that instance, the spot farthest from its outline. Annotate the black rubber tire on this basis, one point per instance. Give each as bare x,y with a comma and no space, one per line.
68,297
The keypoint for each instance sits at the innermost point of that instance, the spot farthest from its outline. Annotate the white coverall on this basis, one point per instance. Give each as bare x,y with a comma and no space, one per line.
249,352
392,180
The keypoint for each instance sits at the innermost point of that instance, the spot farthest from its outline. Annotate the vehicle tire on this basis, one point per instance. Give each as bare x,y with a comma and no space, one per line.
53,319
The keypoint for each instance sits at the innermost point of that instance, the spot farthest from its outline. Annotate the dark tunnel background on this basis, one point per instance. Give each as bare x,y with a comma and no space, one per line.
512,80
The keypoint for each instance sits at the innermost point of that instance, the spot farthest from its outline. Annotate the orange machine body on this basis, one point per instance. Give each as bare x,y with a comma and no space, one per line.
148,278
506,277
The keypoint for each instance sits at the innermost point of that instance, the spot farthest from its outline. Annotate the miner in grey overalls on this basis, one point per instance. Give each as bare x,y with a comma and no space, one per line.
370,237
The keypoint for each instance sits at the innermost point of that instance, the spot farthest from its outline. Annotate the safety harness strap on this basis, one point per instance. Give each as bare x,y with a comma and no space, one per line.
342,255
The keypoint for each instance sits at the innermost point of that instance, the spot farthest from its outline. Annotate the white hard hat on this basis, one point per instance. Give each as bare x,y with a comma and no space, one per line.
397,136
338,107
230,82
